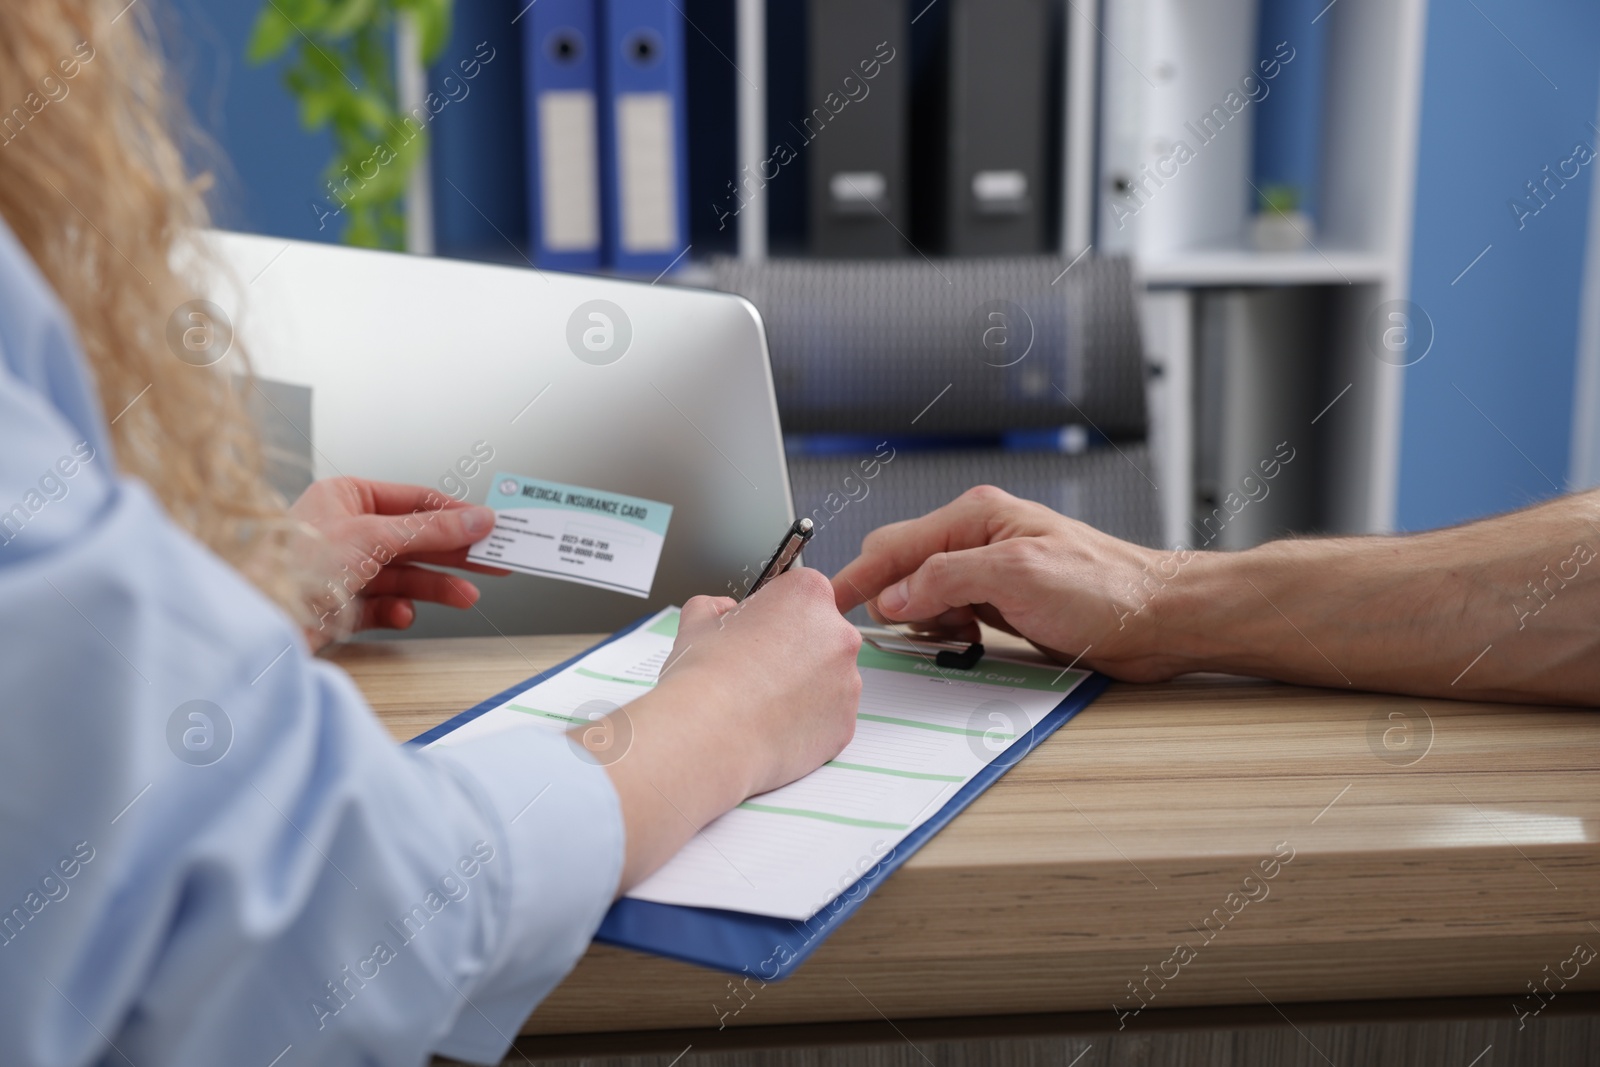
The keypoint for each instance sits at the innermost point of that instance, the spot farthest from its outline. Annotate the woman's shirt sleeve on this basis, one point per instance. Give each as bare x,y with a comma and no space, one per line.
210,851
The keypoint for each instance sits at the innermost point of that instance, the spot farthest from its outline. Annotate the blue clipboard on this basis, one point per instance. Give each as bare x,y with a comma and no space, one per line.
760,945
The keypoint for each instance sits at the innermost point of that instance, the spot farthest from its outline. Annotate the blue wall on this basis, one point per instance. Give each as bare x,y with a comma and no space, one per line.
1506,332
276,165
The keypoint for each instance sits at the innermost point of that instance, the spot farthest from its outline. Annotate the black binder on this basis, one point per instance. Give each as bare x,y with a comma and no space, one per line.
855,134
986,110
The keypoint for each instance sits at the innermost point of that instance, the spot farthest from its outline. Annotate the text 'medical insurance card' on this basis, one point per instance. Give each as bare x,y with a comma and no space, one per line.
574,534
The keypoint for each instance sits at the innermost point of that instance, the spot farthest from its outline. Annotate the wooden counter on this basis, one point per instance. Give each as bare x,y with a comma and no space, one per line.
1438,849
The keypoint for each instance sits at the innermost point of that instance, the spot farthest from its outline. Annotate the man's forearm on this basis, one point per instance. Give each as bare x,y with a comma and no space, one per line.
1504,609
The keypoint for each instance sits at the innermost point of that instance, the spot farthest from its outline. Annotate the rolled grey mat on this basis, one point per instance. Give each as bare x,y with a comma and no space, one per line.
952,346
850,495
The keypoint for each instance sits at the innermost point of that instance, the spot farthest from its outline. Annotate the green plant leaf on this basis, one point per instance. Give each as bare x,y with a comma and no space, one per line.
307,15
1279,199
271,34
341,74
315,109
433,27
348,17
374,55
372,110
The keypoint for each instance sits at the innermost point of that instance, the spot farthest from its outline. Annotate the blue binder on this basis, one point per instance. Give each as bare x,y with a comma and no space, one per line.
760,945
644,123
476,154
562,87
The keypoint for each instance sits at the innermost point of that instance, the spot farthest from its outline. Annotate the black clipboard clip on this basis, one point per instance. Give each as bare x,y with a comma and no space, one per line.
960,661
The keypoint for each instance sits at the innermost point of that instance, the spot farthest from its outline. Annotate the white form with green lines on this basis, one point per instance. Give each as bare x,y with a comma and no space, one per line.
921,733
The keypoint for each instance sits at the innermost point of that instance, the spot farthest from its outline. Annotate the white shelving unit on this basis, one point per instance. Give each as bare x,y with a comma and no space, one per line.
1197,269
1162,65
1136,72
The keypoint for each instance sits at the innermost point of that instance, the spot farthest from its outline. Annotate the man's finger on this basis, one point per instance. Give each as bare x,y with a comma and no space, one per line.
945,581
956,619
990,615
892,552
936,630
954,625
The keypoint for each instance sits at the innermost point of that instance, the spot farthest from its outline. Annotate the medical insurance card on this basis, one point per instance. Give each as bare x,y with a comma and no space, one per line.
575,534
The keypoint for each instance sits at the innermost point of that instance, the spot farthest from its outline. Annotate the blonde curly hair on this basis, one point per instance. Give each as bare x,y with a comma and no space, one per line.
94,184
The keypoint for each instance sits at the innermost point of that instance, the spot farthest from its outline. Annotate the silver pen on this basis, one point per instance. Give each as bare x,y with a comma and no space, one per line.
793,541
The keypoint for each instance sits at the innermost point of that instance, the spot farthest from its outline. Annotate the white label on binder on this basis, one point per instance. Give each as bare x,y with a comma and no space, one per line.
647,172
569,171
1000,190
858,189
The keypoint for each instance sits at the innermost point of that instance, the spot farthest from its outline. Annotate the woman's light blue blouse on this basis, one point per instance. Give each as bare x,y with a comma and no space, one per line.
210,851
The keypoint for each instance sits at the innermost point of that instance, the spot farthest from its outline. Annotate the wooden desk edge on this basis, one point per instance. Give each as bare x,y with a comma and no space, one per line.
417,684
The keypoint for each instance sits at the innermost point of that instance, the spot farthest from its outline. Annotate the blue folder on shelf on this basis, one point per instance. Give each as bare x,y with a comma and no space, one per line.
760,945
562,85
644,124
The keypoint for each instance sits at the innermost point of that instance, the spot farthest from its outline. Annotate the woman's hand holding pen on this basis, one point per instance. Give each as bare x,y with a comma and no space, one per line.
753,696
787,659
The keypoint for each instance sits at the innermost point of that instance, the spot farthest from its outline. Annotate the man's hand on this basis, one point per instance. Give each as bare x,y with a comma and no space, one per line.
374,535
1501,609
1070,589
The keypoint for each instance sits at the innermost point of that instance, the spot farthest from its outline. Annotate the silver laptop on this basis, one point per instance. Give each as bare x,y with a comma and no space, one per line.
418,368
